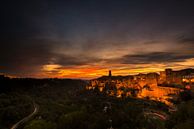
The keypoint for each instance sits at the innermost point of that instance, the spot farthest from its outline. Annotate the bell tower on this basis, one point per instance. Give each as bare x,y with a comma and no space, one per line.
110,74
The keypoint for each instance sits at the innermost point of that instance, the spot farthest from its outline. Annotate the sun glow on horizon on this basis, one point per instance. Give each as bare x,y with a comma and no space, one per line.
93,70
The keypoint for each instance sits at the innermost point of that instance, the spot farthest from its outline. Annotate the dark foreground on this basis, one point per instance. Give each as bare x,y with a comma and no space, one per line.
65,104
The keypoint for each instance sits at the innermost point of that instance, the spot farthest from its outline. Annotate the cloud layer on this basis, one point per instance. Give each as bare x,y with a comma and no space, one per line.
85,39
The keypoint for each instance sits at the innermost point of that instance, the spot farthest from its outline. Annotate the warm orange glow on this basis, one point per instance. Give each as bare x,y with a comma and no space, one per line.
95,70
188,87
51,67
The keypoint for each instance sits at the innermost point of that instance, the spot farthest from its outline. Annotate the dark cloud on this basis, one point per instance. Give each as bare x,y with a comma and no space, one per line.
153,57
185,39
76,32
151,42
68,60
23,55
29,55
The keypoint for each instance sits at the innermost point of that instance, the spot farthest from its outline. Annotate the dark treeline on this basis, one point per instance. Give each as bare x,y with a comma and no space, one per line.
17,96
13,84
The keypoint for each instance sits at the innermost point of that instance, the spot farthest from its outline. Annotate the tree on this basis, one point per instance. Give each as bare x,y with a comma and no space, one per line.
40,124
73,120
185,125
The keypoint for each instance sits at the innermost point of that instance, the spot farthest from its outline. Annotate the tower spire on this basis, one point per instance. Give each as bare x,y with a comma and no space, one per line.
110,74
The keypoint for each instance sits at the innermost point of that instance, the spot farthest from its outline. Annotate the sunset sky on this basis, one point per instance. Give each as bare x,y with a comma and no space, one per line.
86,38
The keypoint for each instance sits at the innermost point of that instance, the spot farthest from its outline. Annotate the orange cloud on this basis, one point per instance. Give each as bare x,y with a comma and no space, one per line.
96,70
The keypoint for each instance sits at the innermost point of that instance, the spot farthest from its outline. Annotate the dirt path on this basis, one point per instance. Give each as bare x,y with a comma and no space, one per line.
25,119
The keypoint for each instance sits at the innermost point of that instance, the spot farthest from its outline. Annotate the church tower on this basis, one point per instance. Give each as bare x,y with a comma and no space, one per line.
109,77
110,74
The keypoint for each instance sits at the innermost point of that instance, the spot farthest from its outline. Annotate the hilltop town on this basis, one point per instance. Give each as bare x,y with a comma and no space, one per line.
161,87
142,100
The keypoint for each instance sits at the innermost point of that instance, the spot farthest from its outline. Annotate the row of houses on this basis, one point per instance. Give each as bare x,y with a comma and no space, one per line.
164,78
150,81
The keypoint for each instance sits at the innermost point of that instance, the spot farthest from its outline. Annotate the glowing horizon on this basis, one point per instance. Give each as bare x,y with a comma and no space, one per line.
95,71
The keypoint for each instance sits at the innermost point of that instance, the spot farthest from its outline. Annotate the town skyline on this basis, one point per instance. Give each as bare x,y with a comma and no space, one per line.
107,73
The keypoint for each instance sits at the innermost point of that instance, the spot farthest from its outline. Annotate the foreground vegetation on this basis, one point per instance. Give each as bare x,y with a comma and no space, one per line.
65,104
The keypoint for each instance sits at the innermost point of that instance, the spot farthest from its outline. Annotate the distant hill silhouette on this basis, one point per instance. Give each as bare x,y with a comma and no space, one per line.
114,77
13,84
186,71
183,72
